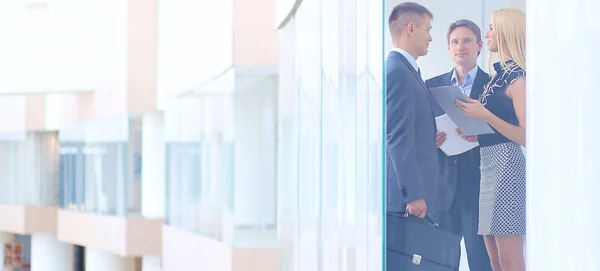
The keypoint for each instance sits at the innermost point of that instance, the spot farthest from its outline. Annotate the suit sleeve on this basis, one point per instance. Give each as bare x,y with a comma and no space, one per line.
437,111
401,137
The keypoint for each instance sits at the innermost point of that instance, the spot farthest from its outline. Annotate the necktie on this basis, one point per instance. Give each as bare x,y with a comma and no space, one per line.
419,72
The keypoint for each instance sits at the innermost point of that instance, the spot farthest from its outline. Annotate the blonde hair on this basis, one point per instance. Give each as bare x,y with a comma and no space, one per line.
509,26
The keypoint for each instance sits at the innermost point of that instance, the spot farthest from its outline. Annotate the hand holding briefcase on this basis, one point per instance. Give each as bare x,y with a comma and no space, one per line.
419,245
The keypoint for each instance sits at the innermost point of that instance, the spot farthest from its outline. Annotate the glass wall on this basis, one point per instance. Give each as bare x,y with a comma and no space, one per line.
220,159
100,166
329,136
29,168
199,161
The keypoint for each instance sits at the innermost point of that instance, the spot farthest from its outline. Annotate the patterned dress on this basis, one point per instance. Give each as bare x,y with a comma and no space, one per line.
502,193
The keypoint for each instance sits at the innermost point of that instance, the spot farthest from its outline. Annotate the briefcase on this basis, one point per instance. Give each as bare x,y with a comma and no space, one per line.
414,244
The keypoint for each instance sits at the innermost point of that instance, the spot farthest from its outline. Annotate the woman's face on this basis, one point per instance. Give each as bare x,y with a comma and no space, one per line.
491,40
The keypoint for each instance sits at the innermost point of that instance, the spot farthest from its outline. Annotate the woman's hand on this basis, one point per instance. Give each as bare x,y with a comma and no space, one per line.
473,109
465,137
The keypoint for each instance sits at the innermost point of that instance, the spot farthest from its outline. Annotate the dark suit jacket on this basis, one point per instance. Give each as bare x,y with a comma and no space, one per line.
411,162
460,174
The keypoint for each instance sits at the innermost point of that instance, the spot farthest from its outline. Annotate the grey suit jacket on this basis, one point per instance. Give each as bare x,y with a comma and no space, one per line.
459,175
411,162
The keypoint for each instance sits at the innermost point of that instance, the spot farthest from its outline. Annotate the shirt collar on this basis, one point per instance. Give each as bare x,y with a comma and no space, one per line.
408,57
470,76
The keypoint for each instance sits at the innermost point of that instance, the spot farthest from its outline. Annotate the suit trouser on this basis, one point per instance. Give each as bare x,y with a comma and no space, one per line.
464,221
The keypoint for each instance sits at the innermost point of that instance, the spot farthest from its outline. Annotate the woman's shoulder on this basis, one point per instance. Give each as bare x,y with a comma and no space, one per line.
508,73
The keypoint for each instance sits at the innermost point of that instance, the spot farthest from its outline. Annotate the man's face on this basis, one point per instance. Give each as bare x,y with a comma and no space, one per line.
421,36
463,46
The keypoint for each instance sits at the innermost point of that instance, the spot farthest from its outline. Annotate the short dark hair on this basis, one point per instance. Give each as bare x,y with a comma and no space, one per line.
407,8
464,23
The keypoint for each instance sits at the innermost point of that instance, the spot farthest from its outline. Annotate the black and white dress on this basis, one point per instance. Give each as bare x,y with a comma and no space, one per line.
502,200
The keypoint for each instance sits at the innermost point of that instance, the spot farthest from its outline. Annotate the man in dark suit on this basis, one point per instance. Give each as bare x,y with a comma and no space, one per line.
411,160
410,128
458,193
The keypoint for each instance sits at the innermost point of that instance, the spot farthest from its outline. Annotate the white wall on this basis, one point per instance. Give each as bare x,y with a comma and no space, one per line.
48,254
111,36
13,106
283,8
61,109
195,44
153,166
151,263
53,46
520,4
98,260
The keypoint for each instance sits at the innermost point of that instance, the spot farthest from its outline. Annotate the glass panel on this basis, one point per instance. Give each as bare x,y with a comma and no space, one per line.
361,76
227,179
338,177
332,139
29,168
287,152
348,120
99,170
375,180
308,61
199,162
255,186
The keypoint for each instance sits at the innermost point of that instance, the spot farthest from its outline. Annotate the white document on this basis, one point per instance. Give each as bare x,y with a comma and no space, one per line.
454,143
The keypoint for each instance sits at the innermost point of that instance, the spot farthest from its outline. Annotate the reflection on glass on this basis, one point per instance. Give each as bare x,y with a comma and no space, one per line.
220,159
100,164
29,168
330,128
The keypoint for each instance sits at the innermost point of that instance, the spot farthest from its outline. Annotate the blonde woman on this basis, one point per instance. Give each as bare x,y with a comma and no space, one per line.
502,219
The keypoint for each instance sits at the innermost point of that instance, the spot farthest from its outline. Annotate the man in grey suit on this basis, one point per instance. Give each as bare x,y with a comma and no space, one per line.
459,175
412,162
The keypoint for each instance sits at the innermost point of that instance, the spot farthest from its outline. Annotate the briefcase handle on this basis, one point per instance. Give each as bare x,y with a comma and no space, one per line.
428,218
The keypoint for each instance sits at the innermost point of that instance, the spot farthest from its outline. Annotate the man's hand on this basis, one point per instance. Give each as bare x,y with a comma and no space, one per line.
467,138
417,208
440,139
